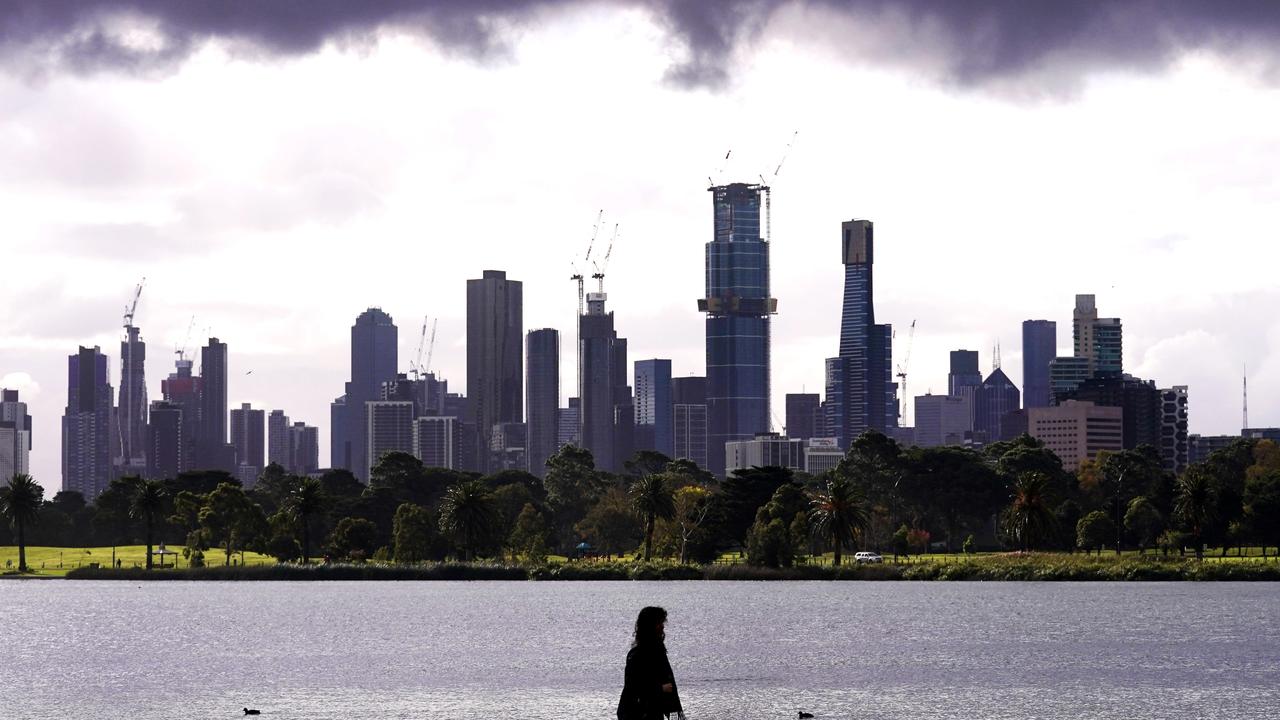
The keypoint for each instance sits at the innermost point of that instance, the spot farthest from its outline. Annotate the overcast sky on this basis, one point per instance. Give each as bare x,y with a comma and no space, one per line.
273,173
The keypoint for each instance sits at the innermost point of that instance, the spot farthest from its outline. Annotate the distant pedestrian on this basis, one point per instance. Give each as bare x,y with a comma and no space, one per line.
649,688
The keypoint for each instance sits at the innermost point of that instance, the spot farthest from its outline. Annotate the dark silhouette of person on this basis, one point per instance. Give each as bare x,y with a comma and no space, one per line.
649,687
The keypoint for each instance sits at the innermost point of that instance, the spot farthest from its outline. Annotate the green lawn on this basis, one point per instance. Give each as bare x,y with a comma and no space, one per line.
56,561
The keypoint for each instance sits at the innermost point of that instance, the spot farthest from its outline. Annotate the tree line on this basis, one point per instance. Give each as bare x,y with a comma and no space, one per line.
881,496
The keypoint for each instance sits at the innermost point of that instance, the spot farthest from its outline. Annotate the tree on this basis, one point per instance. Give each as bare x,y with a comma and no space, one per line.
573,487
354,538
303,502
1029,520
230,519
1262,508
468,516
1143,522
839,512
651,498
1095,530
646,462
610,525
411,533
691,508
900,542
20,505
1193,504
742,494
148,500
529,536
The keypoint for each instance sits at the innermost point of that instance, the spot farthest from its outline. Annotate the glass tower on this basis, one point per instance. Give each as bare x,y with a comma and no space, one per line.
1039,347
738,306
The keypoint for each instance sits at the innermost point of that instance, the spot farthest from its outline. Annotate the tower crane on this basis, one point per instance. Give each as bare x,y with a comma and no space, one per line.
431,346
181,351
902,373
598,275
577,276
415,367
766,185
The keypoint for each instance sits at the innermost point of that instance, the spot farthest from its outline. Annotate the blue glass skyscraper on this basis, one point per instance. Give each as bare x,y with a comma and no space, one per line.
861,394
738,306
1039,347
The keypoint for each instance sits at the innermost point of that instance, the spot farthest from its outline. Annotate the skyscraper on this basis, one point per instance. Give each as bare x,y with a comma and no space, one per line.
689,416
15,436
212,450
1175,446
802,411
1039,347
861,394
543,403
278,450
389,429
246,436
436,442
183,389
495,338
738,305
1097,340
993,401
373,362
1139,399
606,412
86,424
964,372
166,441
131,412
653,406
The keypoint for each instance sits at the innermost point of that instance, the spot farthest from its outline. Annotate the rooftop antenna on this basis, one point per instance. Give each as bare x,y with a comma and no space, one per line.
995,357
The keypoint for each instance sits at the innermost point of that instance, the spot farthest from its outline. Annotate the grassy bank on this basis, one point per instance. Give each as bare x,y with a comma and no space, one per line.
1013,567
59,561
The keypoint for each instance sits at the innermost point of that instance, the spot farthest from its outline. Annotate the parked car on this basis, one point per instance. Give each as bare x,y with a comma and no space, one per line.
867,557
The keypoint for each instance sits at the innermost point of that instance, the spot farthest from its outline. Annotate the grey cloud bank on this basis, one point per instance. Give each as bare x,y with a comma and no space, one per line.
970,43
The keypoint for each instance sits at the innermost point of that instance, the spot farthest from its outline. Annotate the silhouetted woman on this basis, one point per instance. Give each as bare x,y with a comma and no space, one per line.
649,690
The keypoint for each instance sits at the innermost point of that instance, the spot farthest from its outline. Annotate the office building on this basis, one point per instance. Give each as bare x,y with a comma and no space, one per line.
994,399
1272,434
15,436
1200,447
689,417
437,442
213,452
183,389
166,441
1175,446
304,449
654,423
278,450
1077,430
569,424
389,428
1097,340
86,424
542,403
764,450
1140,400
942,420
495,358
131,412
607,413
964,373
821,455
802,414
737,304
1065,375
508,447
1039,347
860,392
374,354
247,429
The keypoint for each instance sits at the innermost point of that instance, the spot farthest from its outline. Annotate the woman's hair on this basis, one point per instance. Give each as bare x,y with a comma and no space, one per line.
647,626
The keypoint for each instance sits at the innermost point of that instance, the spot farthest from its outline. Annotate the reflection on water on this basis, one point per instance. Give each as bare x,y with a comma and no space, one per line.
555,650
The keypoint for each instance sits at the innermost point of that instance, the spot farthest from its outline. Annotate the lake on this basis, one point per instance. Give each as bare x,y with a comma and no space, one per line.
740,650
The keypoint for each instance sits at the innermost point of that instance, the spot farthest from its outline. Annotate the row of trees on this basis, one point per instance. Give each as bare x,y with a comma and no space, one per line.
881,496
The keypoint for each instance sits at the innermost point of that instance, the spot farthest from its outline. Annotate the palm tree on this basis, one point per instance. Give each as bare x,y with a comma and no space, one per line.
20,505
1029,518
839,512
1193,504
148,499
652,498
467,514
305,500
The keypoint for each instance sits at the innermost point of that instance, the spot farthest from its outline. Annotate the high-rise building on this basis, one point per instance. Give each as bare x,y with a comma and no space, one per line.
278,450
86,424
738,305
183,389
212,449
764,450
508,447
1200,447
166,441
15,436
607,414
964,373
1140,400
543,397
802,412
689,416
304,449
1039,347
246,436
374,339
1175,448
1077,430
653,406
1065,375
569,424
389,428
437,442
495,372
860,392
993,401
942,420
131,412
821,455
1097,340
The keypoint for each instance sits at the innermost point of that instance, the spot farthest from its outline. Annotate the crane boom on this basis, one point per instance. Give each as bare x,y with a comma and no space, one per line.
133,306
415,366
600,268
431,346
902,372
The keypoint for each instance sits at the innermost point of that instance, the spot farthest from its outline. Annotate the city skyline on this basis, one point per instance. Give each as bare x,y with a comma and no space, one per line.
275,231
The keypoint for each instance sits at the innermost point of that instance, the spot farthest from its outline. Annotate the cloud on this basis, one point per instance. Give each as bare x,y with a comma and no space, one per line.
973,43
28,389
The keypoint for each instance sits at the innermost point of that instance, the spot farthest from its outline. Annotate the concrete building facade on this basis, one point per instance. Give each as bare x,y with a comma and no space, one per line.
1077,430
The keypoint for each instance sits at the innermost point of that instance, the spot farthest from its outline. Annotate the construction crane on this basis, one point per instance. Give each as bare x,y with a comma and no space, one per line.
767,186
431,346
133,306
415,365
598,275
577,276
902,374
181,351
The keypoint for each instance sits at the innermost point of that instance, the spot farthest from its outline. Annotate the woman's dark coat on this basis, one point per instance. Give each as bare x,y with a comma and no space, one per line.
642,696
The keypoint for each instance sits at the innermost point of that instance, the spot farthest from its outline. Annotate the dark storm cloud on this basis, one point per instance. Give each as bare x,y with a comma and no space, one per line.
972,41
